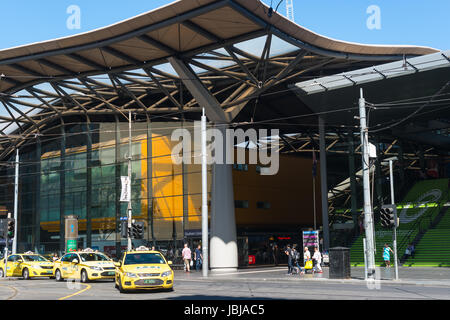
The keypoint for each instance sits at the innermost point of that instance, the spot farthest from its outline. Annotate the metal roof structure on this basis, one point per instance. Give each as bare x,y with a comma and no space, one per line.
381,72
130,66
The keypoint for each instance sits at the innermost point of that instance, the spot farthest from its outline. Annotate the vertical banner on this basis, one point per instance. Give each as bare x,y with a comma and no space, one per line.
311,239
126,189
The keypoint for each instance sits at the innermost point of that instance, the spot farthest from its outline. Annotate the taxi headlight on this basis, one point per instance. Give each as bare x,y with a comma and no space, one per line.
166,274
96,268
130,275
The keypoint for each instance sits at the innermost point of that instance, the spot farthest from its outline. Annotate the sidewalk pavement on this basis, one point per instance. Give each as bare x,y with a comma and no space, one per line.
407,275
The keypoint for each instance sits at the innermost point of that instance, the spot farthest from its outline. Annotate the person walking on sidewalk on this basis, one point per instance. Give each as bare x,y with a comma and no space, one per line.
187,256
317,257
295,258
387,255
306,258
198,257
288,252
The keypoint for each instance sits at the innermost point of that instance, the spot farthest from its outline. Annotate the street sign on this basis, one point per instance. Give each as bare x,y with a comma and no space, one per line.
311,238
71,245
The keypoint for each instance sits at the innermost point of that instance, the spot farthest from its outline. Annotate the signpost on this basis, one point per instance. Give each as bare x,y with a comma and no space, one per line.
311,239
71,233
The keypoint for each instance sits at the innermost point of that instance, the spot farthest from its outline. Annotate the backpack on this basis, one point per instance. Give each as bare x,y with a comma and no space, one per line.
296,255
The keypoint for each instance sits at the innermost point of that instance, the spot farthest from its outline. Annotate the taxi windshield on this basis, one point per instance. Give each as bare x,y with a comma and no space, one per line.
144,258
93,257
31,258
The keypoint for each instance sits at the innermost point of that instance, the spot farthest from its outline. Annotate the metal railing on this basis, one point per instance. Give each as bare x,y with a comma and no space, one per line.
422,224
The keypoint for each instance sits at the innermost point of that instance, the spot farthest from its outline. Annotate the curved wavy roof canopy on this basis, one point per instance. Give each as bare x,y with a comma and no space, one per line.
128,54
151,37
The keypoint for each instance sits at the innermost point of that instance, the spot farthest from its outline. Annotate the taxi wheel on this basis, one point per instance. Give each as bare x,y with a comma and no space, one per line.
26,274
58,276
120,286
84,276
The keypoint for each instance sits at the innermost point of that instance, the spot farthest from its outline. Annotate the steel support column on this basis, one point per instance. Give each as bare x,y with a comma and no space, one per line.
37,196
62,190
401,164
118,186
353,182
324,185
150,231
88,186
378,179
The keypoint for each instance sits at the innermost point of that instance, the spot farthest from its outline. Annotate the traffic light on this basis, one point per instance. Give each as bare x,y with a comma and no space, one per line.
3,228
130,231
387,215
11,227
123,228
138,230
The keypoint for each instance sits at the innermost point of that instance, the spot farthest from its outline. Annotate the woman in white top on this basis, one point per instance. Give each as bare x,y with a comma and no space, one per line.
318,258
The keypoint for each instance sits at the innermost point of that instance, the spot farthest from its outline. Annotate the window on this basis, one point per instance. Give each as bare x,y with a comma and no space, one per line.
93,257
73,257
67,258
144,258
13,258
241,204
32,258
263,205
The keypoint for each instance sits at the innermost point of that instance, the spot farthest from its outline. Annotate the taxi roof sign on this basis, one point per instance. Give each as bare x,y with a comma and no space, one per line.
142,248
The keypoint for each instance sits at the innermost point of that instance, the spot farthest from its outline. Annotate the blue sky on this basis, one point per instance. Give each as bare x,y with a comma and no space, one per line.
413,22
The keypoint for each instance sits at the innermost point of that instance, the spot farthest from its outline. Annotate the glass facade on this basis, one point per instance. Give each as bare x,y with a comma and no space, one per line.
75,169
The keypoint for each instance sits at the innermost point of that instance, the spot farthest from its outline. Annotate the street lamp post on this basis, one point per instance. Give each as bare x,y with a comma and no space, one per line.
368,219
129,210
391,178
204,199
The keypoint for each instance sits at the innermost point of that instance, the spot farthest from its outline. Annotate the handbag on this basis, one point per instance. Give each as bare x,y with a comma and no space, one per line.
192,263
308,264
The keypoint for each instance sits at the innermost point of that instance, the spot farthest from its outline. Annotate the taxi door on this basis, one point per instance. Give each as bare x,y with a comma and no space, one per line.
13,266
74,267
66,265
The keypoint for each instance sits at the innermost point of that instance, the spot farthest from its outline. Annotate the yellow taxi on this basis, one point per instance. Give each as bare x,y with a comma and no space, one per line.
143,269
85,266
26,265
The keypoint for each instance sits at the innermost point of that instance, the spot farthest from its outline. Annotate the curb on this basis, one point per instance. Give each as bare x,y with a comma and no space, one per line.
418,282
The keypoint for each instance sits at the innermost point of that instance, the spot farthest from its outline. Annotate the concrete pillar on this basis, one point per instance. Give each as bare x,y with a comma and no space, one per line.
223,240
